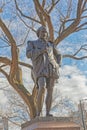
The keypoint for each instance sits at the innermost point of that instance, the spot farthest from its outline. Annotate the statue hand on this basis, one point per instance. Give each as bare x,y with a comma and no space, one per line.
49,50
44,50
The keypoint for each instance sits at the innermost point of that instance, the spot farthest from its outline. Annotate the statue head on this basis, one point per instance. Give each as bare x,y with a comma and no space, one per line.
42,33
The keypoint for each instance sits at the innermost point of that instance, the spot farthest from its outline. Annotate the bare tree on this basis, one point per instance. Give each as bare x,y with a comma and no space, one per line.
67,24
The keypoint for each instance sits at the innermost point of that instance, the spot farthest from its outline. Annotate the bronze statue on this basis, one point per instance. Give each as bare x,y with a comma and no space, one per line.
46,61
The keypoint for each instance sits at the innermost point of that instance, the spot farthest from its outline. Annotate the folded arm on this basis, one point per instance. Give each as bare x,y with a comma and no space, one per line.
58,56
31,51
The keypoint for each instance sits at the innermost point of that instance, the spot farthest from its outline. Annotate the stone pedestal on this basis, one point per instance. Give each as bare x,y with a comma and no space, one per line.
50,123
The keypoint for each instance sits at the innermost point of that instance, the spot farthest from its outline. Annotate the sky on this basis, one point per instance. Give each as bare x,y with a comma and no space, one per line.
68,46
73,74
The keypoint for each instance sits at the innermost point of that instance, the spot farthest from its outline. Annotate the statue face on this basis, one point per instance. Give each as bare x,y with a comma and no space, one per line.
43,34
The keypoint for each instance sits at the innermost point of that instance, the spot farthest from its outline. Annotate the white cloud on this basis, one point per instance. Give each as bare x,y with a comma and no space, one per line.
84,36
3,98
66,47
27,80
72,83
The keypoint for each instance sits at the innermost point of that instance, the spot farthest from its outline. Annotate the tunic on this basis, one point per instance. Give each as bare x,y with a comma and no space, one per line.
45,64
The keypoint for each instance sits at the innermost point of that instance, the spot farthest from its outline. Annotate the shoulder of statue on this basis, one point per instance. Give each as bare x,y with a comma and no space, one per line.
32,42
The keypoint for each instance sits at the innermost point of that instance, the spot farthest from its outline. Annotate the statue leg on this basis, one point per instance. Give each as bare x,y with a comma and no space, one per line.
50,85
40,95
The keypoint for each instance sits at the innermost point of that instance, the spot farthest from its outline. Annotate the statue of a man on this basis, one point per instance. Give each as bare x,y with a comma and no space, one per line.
46,61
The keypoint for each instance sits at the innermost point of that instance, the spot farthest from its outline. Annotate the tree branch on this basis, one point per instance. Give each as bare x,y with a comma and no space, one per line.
74,57
26,24
80,26
26,65
71,28
25,15
7,61
53,5
4,73
43,3
47,18
14,62
23,92
43,22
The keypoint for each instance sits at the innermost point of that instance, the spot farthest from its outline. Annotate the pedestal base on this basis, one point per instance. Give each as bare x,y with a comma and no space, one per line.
50,123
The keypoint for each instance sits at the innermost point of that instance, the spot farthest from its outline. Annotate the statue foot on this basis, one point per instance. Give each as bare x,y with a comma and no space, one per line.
50,115
38,114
